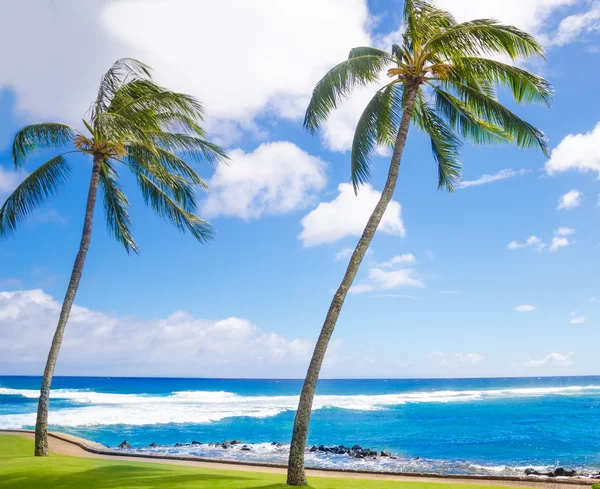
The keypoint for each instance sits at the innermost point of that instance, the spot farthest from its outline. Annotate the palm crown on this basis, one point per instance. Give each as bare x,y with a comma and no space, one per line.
449,65
133,122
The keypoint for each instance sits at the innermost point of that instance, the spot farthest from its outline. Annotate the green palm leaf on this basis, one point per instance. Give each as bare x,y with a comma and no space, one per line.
337,85
115,207
33,191
171,211
40,136
484,37
378,124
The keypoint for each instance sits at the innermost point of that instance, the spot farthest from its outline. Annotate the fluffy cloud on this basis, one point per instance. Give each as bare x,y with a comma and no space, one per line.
456,359
501,175
570,200
560,240
9,180
529,15
391,279
406,259
533,241
177,345
237,71
275,178
347,215
576,152
573,26
577,318
553,359
525,308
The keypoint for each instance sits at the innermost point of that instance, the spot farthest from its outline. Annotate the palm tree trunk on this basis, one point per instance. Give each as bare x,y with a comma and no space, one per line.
296,475
41,425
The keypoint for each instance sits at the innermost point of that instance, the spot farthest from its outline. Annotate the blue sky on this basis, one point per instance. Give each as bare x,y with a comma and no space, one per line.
497,279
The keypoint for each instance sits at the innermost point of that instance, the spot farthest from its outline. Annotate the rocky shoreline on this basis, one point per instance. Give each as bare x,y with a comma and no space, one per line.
356,451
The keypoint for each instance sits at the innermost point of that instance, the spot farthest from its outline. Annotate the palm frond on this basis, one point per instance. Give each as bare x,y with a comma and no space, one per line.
111,127
485,37
115,207
39,136
445,145
337,85
197,149
423,20
378,124
468,124
34,190
114,78
524,86
140,160
169,210
523,134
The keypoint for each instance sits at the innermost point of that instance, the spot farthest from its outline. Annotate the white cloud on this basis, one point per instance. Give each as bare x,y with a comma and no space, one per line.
275,178
576,152
553,359
572,27
570,200
239,72
360,289
592,299
529,15
405,259
9,180
564,231
525,308
577,318
469,358
179,344
501,175
457,359
560,239
391,279
347,215
533,241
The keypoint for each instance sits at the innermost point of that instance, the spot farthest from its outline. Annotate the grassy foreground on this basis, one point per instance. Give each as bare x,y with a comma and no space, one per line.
19,469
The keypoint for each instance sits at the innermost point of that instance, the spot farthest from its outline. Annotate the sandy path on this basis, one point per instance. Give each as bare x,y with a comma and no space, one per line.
69,445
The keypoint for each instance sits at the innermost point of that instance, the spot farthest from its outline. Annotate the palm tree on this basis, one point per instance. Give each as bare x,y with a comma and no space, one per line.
443,80
134,123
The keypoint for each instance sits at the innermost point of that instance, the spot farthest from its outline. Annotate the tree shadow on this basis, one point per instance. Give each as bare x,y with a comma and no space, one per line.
122,476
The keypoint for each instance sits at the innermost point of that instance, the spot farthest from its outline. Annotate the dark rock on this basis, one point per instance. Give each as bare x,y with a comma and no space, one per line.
313,448
194,442
236,442
322,448
356,447
179,444
124,445
385,453
226,444
246,448
153,445
561,472
276,444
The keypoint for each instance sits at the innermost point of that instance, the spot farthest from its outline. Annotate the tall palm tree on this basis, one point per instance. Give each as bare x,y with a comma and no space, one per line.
443,80
134,123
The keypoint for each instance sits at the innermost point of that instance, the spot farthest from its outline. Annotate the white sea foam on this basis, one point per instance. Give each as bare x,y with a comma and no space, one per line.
97,408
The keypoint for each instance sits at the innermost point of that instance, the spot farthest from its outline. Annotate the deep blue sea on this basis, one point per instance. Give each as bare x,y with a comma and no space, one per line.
490,426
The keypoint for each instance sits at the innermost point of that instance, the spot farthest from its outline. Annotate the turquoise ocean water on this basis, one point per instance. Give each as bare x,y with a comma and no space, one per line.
489,426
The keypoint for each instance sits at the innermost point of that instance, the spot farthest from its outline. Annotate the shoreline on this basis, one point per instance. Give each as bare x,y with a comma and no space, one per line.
80,447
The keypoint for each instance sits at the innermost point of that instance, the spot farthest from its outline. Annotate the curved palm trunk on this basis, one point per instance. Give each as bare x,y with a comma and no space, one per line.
296,475
41,425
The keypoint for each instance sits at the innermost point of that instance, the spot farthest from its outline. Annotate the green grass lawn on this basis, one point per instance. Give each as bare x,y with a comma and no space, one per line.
19,469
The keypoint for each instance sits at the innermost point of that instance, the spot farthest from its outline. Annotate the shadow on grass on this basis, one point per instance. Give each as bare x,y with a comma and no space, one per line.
127,476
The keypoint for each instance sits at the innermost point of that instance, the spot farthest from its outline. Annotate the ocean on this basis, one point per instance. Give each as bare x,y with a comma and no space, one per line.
495,426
